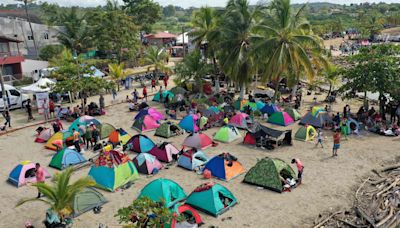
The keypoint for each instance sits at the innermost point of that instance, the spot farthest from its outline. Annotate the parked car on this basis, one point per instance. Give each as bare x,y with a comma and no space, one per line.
15,98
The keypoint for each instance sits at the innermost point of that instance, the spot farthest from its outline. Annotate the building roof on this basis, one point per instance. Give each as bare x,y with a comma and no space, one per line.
9,39
161,35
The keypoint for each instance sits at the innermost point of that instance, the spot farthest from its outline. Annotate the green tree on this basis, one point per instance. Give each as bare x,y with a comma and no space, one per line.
75,34
331,75
156,56
114,31
192,68
117,72
289,49
235,55
169,11
26,2
50,51
60,195
205,31
144,212
144,13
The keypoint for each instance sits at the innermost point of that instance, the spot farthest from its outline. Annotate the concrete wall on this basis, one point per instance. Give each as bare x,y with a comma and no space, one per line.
19,29
30,65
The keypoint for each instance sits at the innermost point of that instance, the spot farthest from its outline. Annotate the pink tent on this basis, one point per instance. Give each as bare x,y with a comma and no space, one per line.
164,152
198,141
240,120
147,163
145,123
24,173
43,136
155,114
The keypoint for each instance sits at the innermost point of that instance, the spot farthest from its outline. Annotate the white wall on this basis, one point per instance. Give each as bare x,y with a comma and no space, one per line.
30,65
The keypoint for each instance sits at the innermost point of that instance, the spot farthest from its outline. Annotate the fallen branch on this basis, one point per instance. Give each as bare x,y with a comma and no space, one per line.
389,216
389,187
363,215
327,219
389,168
348,223
360,188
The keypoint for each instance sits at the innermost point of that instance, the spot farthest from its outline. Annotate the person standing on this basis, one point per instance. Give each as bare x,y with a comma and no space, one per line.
320,138
135,96
76,137
165,79
82,132
144,93
46,110
153,84
88,137
40,176
114,94
101,101
28,107
300,168
51,108
336,142
7,117
161,94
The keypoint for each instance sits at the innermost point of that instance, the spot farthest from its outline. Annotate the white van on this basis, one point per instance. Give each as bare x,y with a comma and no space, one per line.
15,98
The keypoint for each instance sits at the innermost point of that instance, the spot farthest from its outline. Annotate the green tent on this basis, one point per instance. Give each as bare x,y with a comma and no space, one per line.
65,158
87,200
105,130
156,96
164,130
227,134
305,133
266,173
164,189
293,113
212,198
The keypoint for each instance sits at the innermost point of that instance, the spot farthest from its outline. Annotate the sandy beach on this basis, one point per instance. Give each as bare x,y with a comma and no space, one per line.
328,182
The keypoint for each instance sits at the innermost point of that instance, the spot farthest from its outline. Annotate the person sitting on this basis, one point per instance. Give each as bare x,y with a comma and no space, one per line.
172,114
131,107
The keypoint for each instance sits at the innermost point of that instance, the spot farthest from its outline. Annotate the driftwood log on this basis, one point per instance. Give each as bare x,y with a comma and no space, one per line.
376,203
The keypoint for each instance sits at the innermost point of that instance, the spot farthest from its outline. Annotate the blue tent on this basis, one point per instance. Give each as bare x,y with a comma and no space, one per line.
224,166
260,105
189,124
156,96
214,109
191,159
140,144
270,108
65,158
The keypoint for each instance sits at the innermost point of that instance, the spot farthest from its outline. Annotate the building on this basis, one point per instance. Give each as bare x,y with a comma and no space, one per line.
14,26
10,58
160,39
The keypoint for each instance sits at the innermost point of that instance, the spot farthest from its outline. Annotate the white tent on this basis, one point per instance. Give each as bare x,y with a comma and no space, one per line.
42,85
179,39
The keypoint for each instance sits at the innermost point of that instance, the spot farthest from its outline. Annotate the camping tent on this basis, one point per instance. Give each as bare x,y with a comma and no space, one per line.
280,137
280,118
140,144
227,134
240,120
188,212
198,140
305,133
152,112
178,90
42,85
168,129
192,159
224,167
64,136
164,189
164,152
105,130
24,173
293,113
65,158
316,110
118,174
86,200
239,104
270,108
352,125
166,93
147,163
43,136
214,109
189,123
119,135
84,121
266,173
309,119
212,198
145,123
260,105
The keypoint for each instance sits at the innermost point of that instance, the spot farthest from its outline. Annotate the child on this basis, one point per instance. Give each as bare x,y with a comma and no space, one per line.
320,137
336,142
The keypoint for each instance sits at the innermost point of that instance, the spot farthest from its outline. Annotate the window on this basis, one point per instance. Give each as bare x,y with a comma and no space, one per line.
14,92
46,36
3,47
30,37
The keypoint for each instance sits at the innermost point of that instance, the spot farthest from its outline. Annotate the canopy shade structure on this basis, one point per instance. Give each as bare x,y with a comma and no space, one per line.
42,85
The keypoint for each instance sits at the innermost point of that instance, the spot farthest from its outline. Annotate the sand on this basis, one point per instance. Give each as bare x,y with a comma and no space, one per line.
328,182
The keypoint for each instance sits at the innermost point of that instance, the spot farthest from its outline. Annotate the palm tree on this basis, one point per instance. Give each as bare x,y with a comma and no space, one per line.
236,58
288,47
30,24
192,67
60,195
205,31
117,72
331,76
156,57
75,34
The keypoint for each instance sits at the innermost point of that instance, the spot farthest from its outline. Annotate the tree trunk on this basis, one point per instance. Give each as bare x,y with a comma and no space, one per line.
382,106
276,92
216,75
365,100
30,26
242,90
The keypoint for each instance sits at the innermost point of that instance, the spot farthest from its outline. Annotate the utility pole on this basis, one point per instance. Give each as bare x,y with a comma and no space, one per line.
183,41
3,90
